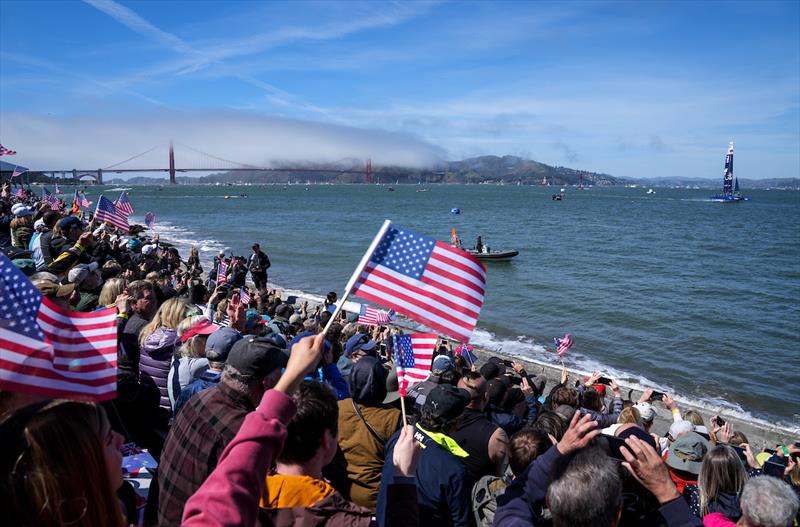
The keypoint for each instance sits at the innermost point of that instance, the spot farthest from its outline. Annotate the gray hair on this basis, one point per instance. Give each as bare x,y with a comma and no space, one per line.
588,494
769,502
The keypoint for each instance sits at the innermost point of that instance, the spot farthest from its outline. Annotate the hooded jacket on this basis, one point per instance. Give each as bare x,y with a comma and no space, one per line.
154,362
303,500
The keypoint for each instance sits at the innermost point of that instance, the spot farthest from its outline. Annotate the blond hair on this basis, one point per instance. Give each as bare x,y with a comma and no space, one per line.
630,415
168,316
187,349
111,290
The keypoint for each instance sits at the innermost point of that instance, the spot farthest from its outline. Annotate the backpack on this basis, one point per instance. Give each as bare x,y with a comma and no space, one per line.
484,499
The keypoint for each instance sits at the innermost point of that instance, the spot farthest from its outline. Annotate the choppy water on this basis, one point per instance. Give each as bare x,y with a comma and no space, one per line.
666,290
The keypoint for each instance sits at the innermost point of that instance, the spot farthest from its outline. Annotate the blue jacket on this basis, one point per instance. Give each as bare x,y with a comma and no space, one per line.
511,423
208,379
442,492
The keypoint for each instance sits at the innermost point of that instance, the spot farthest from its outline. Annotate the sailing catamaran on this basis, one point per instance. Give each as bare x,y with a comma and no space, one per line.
730,188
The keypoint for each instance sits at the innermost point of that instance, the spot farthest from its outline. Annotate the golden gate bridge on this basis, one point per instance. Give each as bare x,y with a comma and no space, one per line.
198,161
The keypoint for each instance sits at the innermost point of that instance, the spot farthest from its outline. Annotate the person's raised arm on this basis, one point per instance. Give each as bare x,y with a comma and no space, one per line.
514,507
231,493
644,464
402,508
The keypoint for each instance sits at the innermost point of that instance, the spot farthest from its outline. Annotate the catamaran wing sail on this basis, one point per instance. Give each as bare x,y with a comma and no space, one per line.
727,188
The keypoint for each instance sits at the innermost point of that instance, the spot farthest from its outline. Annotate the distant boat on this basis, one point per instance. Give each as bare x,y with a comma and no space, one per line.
650,191
730,185
422,190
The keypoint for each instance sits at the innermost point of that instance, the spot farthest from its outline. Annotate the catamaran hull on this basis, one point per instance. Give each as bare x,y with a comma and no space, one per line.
495,256
728,199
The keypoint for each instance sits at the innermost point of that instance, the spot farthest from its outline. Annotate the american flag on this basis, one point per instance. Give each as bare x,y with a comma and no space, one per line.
106,211
80,199
466,351
18,171
150,220
50,198
413,358
123,204
6,152
370,316
222,272
562,345
51,351
244,296
426,280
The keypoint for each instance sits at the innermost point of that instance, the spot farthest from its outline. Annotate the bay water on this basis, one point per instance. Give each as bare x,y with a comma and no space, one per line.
665,290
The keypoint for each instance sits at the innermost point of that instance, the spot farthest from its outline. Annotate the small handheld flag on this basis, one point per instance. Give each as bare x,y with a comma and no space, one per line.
6,151
106,211
369,316
427,280
51,351
123,204
222,272
18,171
465,351
413,359
150,220
244,296
563,344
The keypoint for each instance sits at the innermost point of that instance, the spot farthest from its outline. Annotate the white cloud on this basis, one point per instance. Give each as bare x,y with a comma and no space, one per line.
87,143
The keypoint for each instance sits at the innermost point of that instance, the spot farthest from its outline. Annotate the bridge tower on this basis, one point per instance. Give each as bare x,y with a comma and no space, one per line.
99,176
171,164
368,171
75,175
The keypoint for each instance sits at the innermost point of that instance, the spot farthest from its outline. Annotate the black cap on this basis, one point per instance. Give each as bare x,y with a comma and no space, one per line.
257,357
496,390
492,370
446,401
368,381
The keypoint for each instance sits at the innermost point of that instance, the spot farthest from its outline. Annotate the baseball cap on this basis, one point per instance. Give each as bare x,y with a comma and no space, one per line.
48,288
680,427
442,363
359,342
367,381
68,222
492,369
284,311
446,401
686,453
202,327
256,356
220,342
647,411
392,387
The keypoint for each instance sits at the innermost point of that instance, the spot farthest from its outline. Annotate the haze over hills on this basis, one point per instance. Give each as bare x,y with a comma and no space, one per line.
475,170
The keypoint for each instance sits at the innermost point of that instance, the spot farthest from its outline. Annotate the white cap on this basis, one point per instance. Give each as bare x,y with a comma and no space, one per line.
148,249
646,410
680,427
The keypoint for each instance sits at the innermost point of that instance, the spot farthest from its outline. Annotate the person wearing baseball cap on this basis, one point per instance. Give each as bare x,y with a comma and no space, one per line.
218,346
443,491
207,422
357,346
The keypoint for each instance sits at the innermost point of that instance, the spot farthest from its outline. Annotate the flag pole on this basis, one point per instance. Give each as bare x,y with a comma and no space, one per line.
357,273
403,409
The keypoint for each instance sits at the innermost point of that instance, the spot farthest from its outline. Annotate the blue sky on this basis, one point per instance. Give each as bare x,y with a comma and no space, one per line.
633,89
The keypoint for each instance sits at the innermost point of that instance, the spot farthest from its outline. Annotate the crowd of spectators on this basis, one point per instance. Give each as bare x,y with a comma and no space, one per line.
255,415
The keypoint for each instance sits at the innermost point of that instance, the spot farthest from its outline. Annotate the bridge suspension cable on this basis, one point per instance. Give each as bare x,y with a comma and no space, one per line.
130,159
206,154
